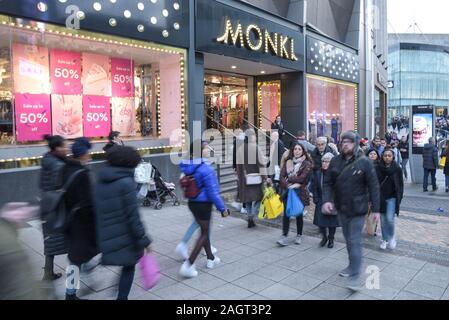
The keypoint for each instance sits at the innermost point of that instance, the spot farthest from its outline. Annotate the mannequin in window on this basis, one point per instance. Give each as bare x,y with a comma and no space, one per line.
334,125
340,126
312,127
328,125
320,125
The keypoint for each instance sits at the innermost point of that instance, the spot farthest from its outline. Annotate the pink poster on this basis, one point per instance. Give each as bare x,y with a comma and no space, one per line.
96,75
31,69
67,115
122,71
97,116
124,116
65,68
33,118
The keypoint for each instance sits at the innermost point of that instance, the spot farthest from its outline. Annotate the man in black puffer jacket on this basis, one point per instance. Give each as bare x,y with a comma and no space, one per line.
121,235
350,184
430,164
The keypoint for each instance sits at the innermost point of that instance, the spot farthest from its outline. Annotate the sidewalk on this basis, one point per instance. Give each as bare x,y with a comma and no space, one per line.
253,267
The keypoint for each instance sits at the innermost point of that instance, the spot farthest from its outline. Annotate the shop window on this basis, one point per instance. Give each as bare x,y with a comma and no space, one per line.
332,107
269,101
74,83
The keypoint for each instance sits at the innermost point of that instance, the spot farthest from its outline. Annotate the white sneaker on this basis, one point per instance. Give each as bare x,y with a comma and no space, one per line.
243,211
283,241
236,205
213,249
182,251
392,244
187,270
383,245
298,239
213,263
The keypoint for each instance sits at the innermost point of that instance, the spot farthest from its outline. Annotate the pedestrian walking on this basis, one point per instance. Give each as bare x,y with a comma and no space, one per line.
205,182
430,164
370,223
301,138
404,149
278,125
445,154
391,182
295,175
373,155
113,140
349,184
122,239
80,232
251,174
328,224
51,178
397,153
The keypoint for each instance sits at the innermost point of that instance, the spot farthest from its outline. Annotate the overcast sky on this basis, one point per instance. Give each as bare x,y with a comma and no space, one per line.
432,16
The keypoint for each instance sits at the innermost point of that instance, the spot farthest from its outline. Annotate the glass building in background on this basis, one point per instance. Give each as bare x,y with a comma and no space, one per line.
419,73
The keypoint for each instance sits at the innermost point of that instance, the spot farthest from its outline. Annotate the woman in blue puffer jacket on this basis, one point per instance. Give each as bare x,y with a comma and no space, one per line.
201,207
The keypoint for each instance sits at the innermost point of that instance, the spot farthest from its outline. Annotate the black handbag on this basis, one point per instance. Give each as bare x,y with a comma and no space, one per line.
53,208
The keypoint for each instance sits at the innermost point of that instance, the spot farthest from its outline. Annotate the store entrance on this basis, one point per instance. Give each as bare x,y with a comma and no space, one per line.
226,101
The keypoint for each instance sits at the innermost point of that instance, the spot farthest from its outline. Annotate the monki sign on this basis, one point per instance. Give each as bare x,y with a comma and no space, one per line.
278,44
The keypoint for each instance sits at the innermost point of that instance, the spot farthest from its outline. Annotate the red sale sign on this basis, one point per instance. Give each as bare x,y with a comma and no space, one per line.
65,68
33,116
122,77
96,116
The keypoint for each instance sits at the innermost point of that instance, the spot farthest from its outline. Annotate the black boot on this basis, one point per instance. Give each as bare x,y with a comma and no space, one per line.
330,245
72,297
251,223
323,241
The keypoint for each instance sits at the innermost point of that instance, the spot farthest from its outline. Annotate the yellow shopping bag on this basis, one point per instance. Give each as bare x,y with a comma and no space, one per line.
271,206
442,162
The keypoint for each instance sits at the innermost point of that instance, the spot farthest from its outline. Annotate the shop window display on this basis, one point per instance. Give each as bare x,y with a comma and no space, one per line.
269,96
331,107
86,84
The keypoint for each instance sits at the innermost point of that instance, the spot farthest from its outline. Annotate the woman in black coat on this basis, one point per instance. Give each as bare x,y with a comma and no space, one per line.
51,178
445,153
121,235
391,192
80,232
321,220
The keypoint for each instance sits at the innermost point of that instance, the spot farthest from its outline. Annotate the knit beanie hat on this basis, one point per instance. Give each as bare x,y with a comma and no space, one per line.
80,147
327,157
121,156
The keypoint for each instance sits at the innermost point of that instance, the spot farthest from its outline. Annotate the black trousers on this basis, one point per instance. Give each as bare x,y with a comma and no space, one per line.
286,224
331,234
126,281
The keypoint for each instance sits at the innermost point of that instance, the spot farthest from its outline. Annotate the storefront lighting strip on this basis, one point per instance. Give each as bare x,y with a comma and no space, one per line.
259,97
158,85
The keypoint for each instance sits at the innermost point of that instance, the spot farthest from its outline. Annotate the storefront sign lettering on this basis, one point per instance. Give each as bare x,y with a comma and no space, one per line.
278,44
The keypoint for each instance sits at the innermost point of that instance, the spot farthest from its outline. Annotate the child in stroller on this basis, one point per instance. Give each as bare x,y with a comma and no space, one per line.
152,187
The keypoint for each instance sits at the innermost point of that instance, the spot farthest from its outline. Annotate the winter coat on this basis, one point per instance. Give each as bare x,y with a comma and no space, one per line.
317,155
121,236
430,157
356,186
446,166
320,219
395,173
404,146
279,127
51,178
249,193
81,233
397,156
301,178
206,180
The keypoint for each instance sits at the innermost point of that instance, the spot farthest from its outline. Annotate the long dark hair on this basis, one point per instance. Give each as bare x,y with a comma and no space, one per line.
304,151
54,141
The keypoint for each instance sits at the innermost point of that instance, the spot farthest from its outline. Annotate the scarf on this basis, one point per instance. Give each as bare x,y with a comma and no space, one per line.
297,163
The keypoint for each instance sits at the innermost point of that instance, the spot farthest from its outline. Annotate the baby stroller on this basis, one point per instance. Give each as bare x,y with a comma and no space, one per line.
153,190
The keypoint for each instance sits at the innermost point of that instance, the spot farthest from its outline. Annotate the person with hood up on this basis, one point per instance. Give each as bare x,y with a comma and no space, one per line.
121,235
80,232
349,185
201,207
51,178
391,193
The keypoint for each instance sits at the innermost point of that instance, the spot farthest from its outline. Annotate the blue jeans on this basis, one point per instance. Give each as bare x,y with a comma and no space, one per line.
193,227
387,220
426,178
252,208
352,230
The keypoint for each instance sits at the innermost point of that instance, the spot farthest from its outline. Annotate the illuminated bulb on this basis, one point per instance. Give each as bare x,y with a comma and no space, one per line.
42,7
140,28
97,6
153,20
127,14
165,13
165,34
176,26
176,6
140,6
80,15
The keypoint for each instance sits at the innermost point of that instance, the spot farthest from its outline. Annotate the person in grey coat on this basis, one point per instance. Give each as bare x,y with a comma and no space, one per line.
121,235
430,164
51,178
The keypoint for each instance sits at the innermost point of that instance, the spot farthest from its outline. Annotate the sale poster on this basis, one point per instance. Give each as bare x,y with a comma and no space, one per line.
124,116
67,115
96,75
31,69
97,116
65,68
122,73
33,116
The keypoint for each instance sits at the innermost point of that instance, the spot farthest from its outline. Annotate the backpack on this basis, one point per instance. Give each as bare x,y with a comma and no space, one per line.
53,208
190,186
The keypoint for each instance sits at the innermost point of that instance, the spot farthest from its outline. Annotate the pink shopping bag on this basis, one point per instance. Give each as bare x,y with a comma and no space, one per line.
150,271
